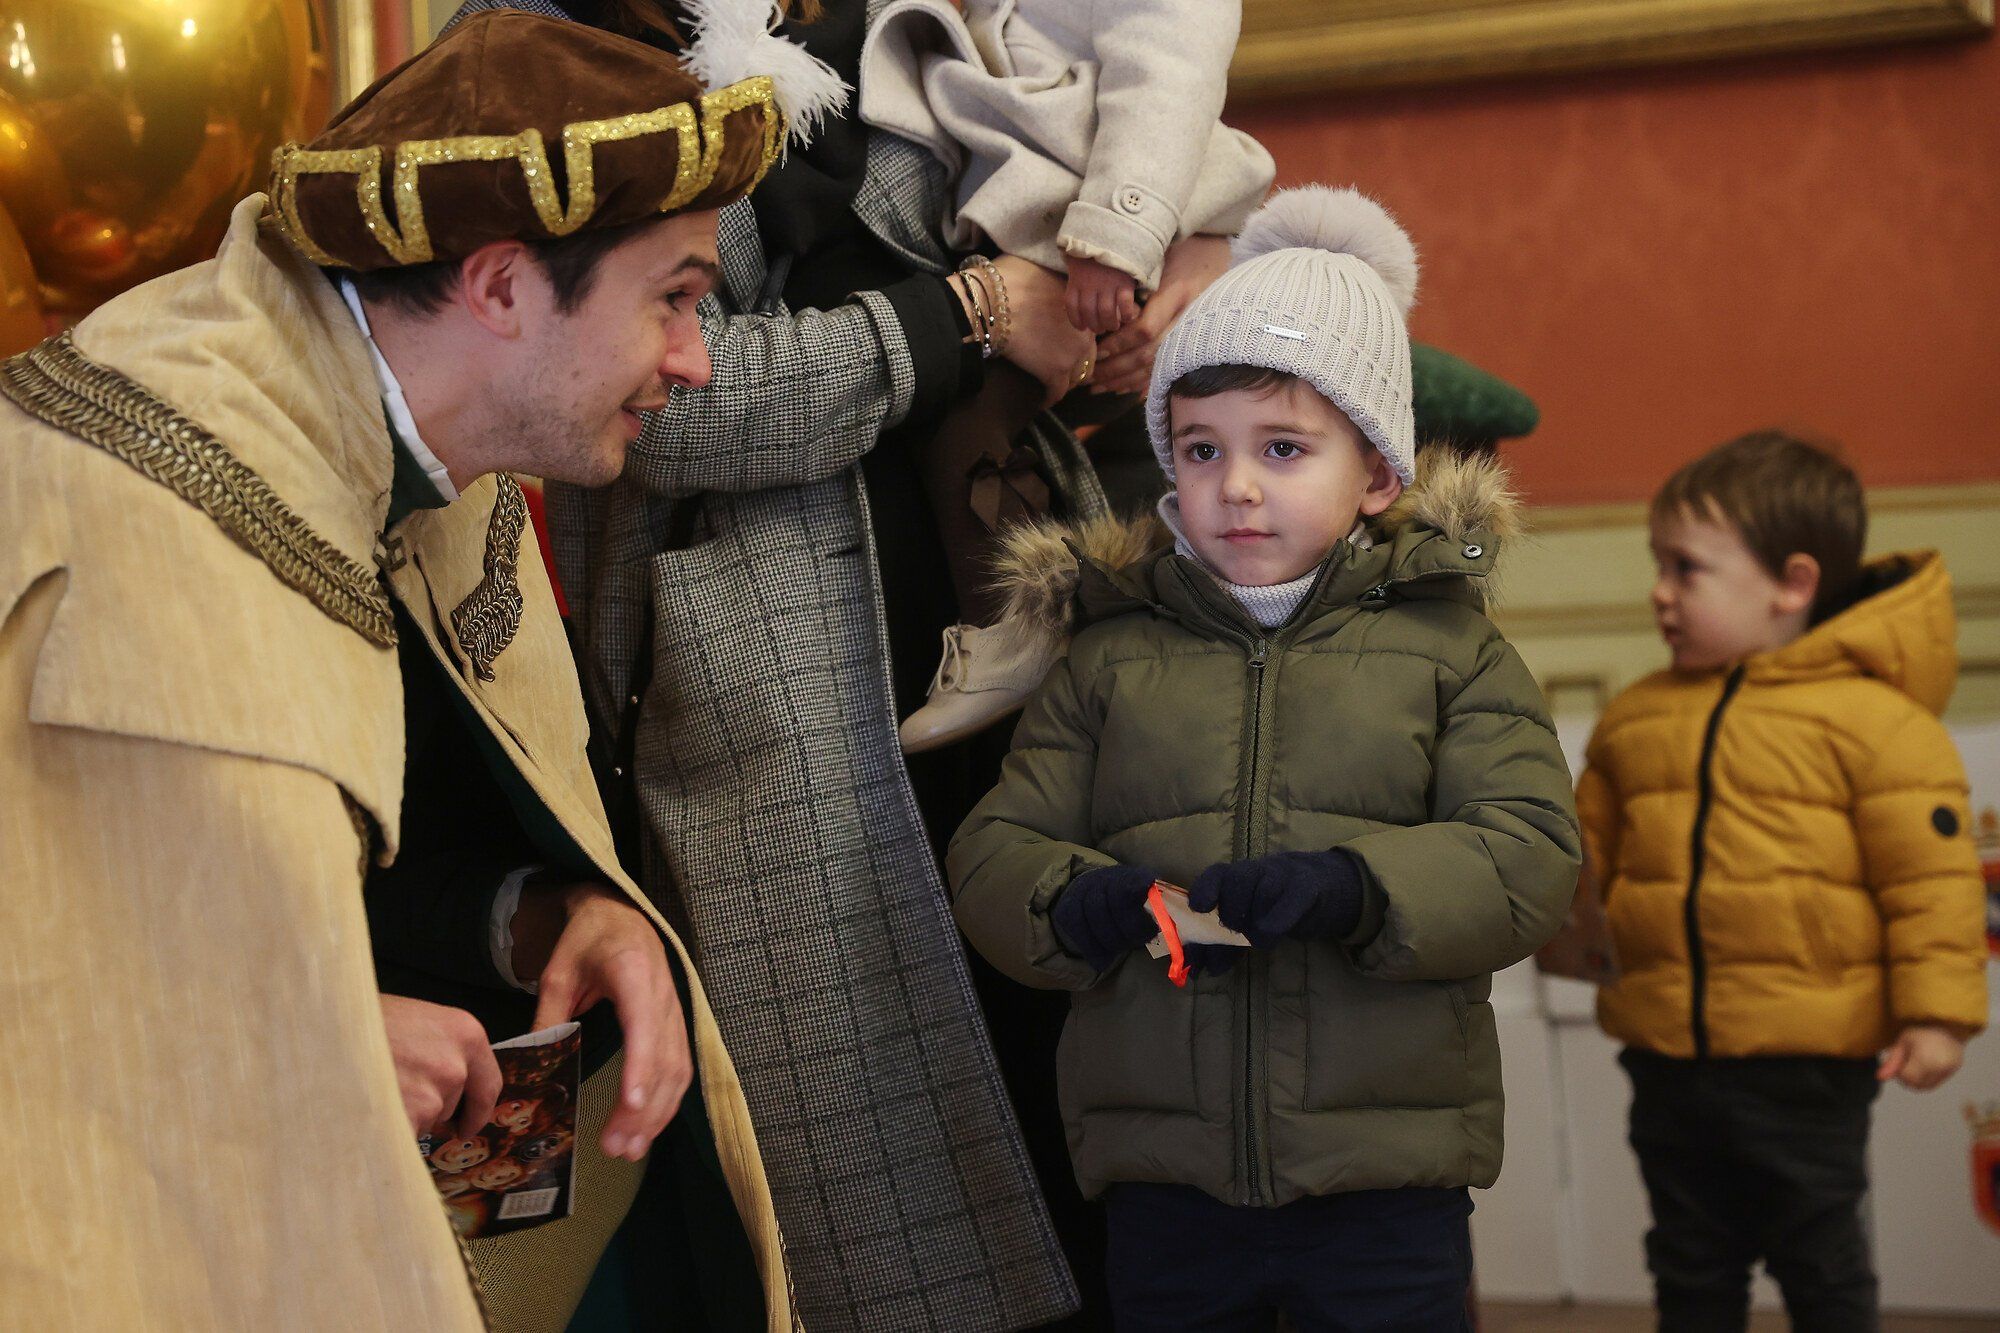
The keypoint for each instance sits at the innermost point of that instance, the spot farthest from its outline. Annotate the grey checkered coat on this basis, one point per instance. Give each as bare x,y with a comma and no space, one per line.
779,811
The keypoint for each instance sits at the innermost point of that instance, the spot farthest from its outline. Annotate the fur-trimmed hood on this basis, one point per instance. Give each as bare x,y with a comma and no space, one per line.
1461,503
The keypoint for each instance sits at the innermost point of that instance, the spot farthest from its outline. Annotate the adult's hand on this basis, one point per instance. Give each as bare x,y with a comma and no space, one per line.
604,948
1125,359
1043,342
443,1064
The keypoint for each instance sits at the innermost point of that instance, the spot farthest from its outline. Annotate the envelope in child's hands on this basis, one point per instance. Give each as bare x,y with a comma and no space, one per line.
1194,927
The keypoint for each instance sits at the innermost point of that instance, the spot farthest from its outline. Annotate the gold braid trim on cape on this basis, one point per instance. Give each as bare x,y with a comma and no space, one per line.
487,620
59,385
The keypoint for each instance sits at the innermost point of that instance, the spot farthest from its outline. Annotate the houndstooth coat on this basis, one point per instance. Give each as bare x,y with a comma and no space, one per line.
778,812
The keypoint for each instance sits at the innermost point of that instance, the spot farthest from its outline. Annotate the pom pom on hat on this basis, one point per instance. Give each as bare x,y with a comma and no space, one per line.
1343,221
734,40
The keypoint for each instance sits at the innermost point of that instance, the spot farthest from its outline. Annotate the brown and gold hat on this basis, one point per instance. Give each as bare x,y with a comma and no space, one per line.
517,126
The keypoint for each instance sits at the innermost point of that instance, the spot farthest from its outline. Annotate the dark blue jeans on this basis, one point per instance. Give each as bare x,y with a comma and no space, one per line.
1749,1159
1373,1260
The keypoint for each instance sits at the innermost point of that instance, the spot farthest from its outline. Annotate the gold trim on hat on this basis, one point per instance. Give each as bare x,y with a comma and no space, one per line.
699,159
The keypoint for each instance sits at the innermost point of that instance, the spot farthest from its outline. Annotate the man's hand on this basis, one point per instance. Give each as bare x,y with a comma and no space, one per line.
607,949
1922,1057
1100,298
1125,359
443,1063
1043,342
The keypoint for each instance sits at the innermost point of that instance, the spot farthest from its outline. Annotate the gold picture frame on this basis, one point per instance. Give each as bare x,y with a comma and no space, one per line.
1291,46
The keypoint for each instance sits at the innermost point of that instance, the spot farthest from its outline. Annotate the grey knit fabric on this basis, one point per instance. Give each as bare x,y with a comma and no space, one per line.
1320,313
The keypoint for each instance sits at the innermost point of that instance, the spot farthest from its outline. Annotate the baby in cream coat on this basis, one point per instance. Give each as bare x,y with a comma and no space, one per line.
1084,135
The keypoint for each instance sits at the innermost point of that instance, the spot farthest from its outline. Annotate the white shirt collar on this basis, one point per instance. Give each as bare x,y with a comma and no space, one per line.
397,406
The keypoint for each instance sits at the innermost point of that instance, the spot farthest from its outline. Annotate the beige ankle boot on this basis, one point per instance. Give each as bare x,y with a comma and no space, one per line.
987,672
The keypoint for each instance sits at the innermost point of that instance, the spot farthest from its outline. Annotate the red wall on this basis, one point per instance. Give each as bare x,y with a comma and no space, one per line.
1666,258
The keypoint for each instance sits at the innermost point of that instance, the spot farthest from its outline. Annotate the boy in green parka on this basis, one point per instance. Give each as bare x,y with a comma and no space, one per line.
1297,709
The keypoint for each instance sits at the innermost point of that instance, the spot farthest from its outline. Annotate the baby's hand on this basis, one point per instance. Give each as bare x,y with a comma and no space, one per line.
1101,299
1922,1057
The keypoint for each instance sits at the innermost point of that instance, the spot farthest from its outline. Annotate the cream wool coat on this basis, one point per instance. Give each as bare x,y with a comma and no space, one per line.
193,1039
1071,127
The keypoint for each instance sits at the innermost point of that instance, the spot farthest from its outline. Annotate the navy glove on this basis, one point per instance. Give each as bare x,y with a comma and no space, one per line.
1286,895
1214,959
1102,914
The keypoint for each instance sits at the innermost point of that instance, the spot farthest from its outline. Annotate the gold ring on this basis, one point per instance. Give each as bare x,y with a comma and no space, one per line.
1083,369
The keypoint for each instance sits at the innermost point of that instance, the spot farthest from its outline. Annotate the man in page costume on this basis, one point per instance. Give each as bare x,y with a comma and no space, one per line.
256,513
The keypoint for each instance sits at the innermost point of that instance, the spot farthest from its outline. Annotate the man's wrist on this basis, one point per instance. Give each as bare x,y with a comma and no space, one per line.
538,922
500,928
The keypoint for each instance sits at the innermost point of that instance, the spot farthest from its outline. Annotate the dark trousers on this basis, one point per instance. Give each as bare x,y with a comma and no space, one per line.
1371,1260
1755,1159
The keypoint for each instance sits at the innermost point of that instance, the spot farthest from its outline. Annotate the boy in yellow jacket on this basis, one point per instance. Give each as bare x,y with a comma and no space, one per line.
1779,825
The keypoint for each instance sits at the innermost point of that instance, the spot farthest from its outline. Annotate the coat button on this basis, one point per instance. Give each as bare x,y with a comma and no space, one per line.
1131,201
1474,552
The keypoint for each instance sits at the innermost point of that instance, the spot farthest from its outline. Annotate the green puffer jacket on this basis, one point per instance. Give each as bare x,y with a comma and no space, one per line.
1387,717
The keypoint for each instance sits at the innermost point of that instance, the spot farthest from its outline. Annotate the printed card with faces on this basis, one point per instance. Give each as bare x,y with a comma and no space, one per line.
520,1170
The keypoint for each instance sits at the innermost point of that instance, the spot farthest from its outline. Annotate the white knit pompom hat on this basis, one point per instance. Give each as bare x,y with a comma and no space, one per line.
1321,283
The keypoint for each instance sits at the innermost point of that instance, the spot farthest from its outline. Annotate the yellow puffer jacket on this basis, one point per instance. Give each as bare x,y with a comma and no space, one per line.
1784,848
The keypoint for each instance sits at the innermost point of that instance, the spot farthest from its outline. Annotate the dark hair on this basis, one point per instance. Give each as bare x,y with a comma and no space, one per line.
1211,381
570,262
1785,497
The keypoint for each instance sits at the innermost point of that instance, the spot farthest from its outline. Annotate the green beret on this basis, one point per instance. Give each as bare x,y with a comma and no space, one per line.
1458,403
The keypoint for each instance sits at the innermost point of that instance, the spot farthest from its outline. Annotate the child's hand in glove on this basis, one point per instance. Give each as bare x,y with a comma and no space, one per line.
1102,914
1286,895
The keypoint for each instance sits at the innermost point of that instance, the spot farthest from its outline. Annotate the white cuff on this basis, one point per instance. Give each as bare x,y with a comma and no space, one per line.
500,929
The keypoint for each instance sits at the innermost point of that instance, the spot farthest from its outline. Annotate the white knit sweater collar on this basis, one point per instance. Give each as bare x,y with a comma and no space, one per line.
1270,605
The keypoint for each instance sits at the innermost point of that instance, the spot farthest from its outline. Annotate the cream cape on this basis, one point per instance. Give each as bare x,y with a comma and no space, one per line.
193,1049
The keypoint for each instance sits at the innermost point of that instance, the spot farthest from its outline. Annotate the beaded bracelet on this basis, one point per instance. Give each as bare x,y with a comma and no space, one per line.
1003,317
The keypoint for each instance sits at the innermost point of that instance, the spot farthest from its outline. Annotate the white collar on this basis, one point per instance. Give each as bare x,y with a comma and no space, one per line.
395,404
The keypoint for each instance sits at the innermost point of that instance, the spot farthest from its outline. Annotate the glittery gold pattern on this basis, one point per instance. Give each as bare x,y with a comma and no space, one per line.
579,156
698,159
365,164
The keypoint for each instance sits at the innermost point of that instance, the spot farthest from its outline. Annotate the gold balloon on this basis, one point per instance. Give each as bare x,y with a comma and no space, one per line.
128,128
21,321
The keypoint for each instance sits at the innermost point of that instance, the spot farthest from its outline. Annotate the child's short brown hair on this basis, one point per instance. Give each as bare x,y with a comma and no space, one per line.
1785,497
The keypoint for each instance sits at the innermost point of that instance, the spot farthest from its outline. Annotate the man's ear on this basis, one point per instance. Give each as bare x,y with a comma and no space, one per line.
492,281
1798,584
1384,486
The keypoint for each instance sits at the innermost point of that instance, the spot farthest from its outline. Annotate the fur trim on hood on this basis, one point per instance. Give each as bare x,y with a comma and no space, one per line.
1036,570
1458,494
